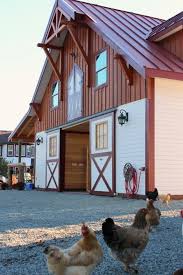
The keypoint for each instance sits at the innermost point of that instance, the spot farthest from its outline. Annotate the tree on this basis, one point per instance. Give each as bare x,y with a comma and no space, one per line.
3,167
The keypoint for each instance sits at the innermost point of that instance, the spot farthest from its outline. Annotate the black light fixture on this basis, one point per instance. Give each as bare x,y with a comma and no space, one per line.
39,140
123,117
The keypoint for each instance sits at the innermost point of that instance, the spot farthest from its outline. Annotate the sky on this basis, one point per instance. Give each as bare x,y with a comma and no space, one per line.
22,25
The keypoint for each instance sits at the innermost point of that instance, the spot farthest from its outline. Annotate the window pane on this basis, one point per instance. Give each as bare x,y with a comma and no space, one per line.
105,128
101,77
105,141
55,94
17,150
10,150
101,61
53,146
23,150
55,89
55,101
28,151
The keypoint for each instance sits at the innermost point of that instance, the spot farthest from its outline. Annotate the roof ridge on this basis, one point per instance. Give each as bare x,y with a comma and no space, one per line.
163,20
168,20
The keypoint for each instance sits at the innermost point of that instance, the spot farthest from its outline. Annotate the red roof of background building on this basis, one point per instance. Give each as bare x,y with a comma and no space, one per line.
127,32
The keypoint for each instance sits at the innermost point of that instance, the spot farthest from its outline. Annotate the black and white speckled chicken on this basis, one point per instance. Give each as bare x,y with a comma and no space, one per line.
127,243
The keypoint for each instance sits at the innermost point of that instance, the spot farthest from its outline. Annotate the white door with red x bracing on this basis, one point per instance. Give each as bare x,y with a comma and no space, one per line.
52,162
102,155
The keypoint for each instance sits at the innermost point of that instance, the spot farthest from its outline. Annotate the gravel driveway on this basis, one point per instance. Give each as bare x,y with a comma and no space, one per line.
30,220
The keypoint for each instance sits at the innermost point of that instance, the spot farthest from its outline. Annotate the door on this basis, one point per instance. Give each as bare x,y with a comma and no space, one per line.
52,162
75,90
102,155
40,165
76,163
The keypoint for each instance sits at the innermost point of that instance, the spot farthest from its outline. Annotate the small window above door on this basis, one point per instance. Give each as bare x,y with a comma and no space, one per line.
102,135
53,146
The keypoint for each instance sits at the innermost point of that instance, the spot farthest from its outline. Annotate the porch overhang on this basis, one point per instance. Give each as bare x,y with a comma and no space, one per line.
25,131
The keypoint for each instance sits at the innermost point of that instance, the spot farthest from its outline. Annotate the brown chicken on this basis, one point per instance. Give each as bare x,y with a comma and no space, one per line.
79,259
153,215
127,243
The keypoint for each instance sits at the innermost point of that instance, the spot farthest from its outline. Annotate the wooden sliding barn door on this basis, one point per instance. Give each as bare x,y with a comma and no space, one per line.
102,155
76,150
52,163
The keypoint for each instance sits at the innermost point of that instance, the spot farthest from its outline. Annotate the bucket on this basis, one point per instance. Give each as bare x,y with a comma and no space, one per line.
28,186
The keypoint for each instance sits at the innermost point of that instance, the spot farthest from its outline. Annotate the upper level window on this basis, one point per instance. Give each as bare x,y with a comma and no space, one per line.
1,151
101,68
102,135
22,150
55,94
53,146
10,151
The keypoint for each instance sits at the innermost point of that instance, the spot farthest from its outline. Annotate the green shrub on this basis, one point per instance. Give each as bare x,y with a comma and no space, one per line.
3,167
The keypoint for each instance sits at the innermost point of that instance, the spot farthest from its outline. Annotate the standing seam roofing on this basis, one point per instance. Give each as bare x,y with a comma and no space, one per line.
129,32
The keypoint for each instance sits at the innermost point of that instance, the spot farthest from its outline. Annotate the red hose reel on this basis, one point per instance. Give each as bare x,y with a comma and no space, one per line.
131,181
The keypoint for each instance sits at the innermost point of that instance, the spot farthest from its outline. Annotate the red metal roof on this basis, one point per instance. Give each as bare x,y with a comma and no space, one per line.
126,32
173,24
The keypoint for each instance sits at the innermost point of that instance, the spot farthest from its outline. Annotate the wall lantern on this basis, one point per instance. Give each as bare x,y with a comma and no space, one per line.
39,140
123,117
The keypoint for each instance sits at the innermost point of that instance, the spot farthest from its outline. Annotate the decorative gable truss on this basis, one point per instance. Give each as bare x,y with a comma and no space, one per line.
60,23
56,26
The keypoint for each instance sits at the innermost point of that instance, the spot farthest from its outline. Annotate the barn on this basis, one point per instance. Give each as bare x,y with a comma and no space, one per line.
110,93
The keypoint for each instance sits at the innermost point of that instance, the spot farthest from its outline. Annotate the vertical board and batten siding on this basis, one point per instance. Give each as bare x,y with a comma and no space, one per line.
168,136
130,143
174,44
116,92
52,167
40,165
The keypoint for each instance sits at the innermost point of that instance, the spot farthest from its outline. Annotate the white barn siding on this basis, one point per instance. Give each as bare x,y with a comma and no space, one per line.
168,136
130,143
40,167
101,160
